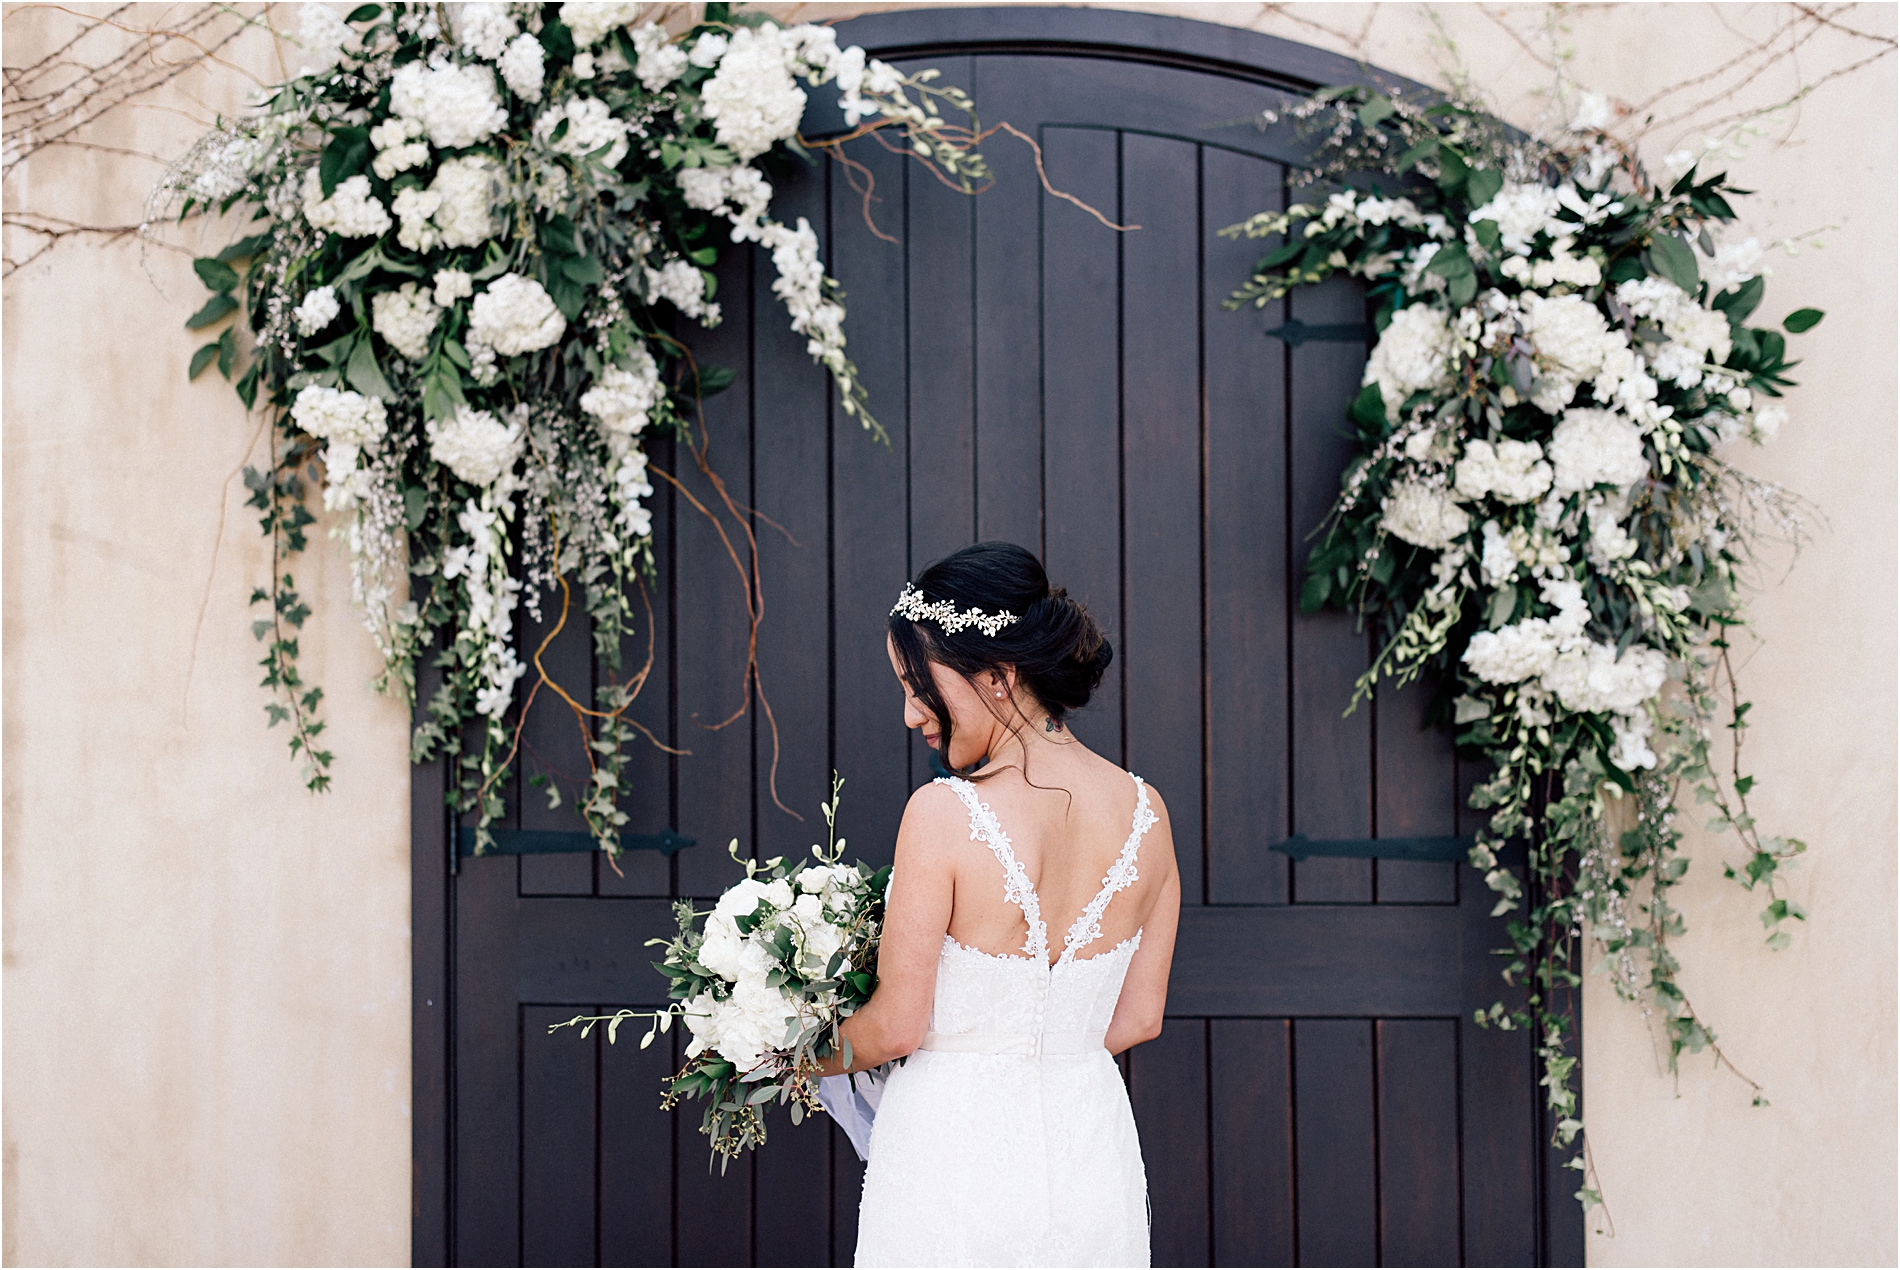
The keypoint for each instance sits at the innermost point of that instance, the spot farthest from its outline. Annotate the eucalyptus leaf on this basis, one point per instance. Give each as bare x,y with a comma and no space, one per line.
1669,257
1802,320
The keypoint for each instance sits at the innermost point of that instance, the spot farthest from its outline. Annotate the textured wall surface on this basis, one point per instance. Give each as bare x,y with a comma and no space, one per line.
206,968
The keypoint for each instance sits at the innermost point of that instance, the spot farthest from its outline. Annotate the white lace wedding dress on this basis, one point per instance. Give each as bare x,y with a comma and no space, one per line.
1007,1140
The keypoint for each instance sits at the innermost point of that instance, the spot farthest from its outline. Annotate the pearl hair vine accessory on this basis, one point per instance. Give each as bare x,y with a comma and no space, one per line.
944,613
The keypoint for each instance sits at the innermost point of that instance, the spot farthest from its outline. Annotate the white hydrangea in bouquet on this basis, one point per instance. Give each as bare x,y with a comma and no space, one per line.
1540,511
763,983
473,238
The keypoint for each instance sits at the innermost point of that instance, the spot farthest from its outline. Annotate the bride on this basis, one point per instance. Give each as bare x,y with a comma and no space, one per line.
1030,925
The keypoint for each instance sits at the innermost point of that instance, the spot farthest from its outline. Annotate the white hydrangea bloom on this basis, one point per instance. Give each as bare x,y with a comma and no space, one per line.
1595,447
1735,263
406,318
224,165
623,399
337,414
1499,562
1631,732
1561,268
590,125
351,211
1697,335
752,99
1522,212
467,189
475,445
1423,515
323,34
1766,422
589,22
452,285
318,310
1413,355
1511,471
1571,340
708,49
681,283
515,315
1609,541
711,189
483,29
397,147
522,67
1523,650
1591,679
456,105
660,61
413,208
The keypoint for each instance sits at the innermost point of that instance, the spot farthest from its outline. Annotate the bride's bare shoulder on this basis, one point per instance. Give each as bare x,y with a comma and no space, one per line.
934,816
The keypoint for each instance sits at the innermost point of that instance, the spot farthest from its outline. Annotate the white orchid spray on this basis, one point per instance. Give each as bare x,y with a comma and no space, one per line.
1540,512
477,231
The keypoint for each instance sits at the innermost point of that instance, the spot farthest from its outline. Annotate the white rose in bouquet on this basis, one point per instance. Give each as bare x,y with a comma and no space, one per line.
786,954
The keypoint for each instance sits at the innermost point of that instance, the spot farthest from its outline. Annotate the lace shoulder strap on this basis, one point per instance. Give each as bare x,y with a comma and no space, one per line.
985,828
1121,875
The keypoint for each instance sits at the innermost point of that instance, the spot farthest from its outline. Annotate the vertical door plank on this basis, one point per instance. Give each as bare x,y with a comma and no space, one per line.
1252,1097
1248,793
939,248
1162,484
793,1194
1332,756
554,740
1418,1142
1417,795
712,1213
636,1148
431,894
1168,1087
557,1139
869,560
1008,348
715,784
1338,1186
487,1085
1081,401
791,456
847,1189
646,791
1499,1100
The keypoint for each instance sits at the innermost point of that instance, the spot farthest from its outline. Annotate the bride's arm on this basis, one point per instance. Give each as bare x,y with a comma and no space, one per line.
1144,997
892,1024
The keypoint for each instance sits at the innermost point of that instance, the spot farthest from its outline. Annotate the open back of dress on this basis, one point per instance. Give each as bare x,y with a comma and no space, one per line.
1007,1139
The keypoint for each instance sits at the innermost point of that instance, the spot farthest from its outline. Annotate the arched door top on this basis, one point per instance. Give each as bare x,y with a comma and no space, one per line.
1116,34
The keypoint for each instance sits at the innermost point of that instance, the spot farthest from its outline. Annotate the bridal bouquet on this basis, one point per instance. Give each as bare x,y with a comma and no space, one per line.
783,958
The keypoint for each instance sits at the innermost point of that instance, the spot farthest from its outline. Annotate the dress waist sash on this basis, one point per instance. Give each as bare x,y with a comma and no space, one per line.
1026,1044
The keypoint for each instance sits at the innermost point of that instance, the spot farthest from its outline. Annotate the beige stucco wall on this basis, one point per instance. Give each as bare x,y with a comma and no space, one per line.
206,997
206,968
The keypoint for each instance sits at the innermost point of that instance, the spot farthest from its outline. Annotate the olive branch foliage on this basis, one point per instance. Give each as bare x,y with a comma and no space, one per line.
1604,848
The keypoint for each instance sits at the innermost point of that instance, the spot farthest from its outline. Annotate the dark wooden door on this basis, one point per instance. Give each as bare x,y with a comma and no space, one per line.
1320,1095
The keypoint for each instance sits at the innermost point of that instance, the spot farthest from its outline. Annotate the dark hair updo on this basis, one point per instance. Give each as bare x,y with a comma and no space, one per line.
1057,649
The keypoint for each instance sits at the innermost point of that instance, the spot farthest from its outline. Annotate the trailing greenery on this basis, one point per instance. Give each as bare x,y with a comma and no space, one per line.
473,236
1539,518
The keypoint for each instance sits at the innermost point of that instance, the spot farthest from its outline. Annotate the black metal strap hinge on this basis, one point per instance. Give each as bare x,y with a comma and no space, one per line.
1296,333
560,841
1300,847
